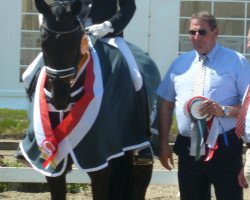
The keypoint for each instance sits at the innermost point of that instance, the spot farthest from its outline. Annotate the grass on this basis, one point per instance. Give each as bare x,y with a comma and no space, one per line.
13,122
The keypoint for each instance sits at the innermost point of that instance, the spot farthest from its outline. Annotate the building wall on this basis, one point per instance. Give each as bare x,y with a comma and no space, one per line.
159,27
155,29
150,29
11,90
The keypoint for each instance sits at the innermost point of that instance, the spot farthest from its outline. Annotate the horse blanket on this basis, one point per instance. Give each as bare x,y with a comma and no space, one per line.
114,121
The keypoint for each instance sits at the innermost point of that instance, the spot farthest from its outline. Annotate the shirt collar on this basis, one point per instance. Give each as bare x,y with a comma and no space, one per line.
211,55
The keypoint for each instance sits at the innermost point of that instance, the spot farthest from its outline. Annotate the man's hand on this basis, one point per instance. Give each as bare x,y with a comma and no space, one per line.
242,179
211,108
166,157
100,30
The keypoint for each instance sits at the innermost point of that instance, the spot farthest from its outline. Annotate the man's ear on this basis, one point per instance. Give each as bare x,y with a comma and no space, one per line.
216,31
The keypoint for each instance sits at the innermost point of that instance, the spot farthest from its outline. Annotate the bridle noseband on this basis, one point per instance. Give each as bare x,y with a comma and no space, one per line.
61,73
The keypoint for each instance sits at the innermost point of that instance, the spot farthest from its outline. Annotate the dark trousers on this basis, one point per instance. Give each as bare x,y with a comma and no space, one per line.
121,180
195,177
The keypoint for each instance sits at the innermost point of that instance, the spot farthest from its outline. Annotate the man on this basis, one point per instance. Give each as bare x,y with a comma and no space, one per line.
248,39
247,162
214,158
244,176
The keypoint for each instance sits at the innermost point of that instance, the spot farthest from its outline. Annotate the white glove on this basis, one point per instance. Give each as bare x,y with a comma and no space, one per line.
100,30
40,19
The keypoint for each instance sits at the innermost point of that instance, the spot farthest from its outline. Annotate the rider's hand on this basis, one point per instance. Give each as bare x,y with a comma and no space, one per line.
166,157
100,30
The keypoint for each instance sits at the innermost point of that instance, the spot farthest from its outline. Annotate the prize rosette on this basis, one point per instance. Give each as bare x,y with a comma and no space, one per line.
193,106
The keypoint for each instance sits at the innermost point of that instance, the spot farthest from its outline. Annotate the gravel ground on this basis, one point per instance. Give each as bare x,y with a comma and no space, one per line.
154,192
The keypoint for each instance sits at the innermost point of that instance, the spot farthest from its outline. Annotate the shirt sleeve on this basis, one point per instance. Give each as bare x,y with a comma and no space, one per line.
123,16
166,89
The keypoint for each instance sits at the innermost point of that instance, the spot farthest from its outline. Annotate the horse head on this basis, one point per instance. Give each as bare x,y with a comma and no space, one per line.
61,33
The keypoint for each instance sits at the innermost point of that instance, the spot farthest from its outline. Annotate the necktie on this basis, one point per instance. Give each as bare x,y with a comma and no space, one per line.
197,128
199,80
240,125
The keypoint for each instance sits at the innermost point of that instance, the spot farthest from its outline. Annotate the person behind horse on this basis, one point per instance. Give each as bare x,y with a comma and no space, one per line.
244,175
106,22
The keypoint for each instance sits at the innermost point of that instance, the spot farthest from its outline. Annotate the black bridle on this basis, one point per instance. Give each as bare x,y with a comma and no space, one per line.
79,27
61,73
64,72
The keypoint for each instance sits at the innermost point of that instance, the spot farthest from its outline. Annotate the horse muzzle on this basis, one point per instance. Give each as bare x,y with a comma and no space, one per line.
60,94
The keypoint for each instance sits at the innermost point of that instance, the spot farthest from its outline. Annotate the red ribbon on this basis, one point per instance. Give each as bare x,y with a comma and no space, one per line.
62,130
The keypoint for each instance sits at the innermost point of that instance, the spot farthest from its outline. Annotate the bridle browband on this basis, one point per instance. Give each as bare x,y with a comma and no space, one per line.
62,32
79,27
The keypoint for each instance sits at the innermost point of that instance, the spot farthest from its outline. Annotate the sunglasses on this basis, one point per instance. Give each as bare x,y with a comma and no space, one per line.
201,32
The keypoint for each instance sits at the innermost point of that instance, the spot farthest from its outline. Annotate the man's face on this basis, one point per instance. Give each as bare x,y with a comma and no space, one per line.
248,39
202,38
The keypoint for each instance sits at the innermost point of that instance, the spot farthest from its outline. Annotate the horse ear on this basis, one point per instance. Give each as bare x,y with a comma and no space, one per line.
76,7
42,7
86,7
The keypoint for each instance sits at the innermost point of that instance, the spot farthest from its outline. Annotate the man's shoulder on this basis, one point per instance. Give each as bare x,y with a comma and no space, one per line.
231,56
186,57
230,52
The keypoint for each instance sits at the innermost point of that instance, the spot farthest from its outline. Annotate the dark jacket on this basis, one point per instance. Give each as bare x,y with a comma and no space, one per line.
118,12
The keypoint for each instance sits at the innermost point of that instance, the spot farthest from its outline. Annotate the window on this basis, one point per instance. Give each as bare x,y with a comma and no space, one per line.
30,35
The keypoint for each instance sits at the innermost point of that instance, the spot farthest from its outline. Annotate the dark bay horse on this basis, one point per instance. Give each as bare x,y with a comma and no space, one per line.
85,109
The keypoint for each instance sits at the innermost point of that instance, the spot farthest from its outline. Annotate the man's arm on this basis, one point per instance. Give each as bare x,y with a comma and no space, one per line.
165,122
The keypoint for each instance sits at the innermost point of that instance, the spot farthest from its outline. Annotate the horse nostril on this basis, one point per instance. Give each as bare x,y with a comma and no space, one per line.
60,104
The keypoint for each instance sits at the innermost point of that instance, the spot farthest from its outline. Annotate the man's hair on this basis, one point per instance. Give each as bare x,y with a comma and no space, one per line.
207,17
